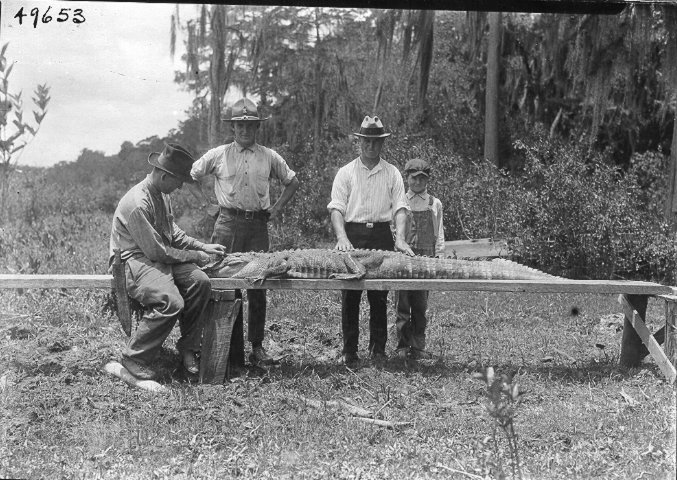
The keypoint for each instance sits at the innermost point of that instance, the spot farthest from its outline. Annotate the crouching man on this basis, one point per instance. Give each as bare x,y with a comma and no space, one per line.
162,265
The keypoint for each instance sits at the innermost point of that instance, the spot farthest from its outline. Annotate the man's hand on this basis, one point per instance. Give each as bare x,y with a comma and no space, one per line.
203,259
215,249
273,213
402,246
344,245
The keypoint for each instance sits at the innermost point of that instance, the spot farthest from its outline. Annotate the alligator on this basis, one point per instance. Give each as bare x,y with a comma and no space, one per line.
363,264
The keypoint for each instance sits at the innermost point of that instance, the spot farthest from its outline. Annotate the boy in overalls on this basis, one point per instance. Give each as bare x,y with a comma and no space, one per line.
425,235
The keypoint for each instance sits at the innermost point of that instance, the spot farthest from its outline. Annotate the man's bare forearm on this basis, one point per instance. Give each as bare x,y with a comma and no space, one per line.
196,190
287,194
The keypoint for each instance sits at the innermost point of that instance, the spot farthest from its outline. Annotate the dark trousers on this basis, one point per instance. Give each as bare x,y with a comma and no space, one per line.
381,238
238,234
168,292
411,307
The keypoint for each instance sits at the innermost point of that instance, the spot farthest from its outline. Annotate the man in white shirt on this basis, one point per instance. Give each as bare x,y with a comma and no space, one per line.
367,194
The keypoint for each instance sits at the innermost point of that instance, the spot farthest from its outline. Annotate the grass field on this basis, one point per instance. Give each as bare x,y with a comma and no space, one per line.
581,416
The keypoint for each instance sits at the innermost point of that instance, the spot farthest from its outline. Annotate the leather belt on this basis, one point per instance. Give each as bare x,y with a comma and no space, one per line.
246,214
370,224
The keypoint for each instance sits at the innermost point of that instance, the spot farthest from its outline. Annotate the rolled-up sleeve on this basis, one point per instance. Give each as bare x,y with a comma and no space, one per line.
204,165
339,193
150,242
280,169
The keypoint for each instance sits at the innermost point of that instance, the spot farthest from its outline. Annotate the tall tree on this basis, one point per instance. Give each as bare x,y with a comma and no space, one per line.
215,31
319,92
425,54
491,117
671,52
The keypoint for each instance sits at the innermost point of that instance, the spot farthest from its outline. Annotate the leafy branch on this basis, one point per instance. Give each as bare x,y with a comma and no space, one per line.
14,139
16,135
503,399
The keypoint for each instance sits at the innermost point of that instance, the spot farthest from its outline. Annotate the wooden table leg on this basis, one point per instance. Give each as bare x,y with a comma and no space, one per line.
217,335
124,310
631,344
634,307
670,329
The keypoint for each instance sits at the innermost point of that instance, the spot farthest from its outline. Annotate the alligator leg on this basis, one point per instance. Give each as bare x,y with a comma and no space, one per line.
356,270
276,271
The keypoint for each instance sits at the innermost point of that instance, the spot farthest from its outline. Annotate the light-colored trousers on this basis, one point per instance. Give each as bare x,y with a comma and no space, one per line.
168,292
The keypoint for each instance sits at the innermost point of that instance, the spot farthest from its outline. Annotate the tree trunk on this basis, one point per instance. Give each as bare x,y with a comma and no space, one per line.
317,124
218,75
491,102
426,56
671,199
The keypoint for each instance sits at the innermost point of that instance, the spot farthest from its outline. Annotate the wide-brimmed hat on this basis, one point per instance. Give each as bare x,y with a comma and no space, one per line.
417,166
372,128
173,159
244,110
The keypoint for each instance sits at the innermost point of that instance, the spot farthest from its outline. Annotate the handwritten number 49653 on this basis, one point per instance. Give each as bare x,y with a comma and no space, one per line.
63,15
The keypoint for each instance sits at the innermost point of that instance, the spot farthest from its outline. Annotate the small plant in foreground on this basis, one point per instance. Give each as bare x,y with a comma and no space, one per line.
504,397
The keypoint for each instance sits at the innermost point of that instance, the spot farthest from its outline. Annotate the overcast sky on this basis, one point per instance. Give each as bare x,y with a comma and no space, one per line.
111,77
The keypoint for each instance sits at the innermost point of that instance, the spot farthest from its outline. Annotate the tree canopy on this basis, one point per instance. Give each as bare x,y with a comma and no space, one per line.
606,79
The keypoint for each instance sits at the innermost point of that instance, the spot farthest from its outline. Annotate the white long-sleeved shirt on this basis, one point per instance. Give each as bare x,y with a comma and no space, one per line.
363,195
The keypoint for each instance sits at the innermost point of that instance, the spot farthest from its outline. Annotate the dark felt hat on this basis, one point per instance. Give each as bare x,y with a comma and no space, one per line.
173,159
244,110
372,128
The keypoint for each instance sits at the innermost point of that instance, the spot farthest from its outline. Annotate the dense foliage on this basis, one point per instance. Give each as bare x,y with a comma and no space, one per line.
566,212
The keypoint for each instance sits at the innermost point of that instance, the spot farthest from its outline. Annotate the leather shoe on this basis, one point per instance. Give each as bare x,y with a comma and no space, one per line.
259,357
351,360
402,352
191,363
138,370
378,358
418,354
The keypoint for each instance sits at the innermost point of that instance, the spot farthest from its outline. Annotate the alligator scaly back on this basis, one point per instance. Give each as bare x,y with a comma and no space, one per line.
361,263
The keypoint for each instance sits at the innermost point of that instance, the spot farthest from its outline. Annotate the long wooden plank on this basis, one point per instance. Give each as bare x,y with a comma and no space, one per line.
56,281
649,341
535,286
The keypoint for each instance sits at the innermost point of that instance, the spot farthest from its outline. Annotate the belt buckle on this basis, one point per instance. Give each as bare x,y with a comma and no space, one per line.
249,214
370,224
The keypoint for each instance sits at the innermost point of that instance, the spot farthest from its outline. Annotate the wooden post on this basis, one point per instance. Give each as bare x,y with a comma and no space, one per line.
670,345
220,340
120,291
631,344
632,353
